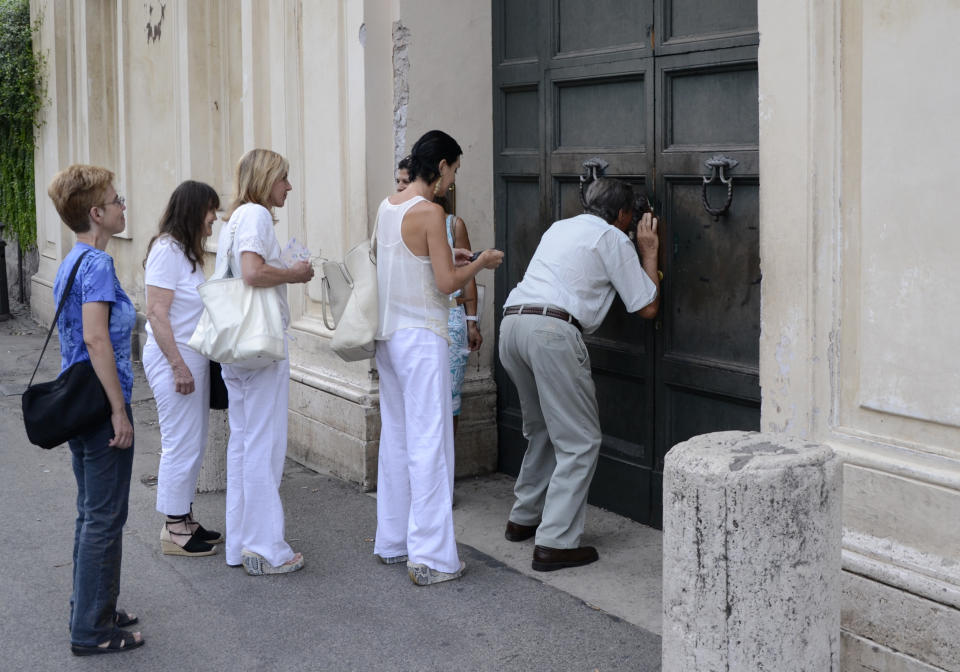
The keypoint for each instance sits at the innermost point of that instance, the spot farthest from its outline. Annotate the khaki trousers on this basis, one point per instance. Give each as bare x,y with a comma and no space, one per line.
548,363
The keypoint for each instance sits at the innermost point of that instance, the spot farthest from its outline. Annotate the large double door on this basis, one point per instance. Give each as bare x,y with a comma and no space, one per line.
655,88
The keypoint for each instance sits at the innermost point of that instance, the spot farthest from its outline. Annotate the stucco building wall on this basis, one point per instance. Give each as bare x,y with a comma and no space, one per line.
860,308
162,92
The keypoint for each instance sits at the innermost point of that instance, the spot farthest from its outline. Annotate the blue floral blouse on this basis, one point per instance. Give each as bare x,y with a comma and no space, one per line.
96,281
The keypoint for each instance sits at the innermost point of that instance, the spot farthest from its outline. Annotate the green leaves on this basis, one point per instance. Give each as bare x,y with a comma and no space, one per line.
22,98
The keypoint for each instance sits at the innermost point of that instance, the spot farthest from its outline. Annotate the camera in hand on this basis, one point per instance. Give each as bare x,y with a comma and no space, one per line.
641,206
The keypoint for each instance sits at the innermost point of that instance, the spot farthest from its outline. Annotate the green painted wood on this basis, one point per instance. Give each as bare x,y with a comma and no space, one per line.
655,87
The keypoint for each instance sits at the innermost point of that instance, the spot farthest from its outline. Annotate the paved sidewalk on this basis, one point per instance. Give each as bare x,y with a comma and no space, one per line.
344,611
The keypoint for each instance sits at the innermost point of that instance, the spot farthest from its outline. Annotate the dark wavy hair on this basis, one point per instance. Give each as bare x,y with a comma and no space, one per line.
183,219
428,151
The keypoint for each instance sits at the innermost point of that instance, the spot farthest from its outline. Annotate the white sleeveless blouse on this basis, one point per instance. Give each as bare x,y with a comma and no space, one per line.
409,298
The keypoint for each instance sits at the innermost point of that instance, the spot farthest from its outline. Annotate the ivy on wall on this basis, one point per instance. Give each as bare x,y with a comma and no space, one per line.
22,97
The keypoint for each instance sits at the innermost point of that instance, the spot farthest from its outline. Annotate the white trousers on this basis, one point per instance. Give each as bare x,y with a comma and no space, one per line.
255,454
183,426
415,472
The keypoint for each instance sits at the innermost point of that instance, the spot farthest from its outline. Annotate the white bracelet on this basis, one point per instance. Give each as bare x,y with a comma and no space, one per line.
470,318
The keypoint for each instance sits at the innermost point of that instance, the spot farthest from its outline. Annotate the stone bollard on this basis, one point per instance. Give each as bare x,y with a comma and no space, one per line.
213,473
751,555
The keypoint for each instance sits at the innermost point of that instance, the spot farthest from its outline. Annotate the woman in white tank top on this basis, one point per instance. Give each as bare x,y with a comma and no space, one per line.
415,276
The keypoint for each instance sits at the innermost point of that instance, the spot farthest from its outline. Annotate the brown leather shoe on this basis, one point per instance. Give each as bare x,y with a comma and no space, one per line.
518,532
547,559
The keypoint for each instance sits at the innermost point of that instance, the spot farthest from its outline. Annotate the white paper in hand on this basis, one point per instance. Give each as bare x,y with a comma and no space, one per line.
294,251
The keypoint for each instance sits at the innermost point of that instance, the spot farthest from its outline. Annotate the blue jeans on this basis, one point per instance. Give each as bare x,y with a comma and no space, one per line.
103,492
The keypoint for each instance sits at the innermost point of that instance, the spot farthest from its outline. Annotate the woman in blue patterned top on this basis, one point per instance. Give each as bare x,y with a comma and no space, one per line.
462,325
96,324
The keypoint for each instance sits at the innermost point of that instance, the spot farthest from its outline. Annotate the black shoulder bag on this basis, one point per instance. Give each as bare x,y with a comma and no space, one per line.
70,405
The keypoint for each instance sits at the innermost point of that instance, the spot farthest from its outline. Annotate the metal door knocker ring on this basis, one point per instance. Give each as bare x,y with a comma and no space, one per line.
719,166
593,169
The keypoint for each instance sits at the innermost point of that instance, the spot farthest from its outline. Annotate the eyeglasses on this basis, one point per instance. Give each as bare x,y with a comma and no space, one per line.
119,200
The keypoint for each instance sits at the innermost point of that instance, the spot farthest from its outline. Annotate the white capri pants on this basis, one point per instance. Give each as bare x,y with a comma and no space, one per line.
183,420
255,455
415,476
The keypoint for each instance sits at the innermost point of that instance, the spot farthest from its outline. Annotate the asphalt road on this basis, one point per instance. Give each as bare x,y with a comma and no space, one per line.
343,611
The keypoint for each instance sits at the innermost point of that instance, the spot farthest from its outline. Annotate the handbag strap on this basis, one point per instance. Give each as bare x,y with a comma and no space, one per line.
63,300
325,303
373,241
233,234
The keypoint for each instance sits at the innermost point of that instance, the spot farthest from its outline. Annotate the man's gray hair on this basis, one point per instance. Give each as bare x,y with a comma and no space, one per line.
606,197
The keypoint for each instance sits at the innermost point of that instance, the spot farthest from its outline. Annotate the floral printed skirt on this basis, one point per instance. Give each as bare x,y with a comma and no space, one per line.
459,352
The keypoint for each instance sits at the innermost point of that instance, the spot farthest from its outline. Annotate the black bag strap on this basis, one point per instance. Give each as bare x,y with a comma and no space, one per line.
63,300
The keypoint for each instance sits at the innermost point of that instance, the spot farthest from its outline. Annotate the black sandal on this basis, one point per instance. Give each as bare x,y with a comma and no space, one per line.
124,619
121,641
201,533
194,546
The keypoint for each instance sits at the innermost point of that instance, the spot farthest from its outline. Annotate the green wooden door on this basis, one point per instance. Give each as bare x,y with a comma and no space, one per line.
655,88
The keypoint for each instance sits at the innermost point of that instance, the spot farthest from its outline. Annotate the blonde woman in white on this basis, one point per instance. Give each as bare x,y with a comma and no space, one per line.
415,276
258,397
178,375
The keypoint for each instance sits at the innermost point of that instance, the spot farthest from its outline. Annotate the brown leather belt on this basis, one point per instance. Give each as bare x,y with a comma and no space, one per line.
545,311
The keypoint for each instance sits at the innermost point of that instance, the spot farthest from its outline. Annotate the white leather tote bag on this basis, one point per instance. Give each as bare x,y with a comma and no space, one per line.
240,324
350,297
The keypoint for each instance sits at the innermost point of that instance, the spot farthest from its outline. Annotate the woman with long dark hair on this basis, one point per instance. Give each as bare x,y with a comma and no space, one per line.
415,276
178,375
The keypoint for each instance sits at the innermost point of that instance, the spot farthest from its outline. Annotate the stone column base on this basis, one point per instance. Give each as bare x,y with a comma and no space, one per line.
334,428
213,473
751,554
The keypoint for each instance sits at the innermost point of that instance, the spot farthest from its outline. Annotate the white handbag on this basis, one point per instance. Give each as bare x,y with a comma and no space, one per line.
240,324
350,297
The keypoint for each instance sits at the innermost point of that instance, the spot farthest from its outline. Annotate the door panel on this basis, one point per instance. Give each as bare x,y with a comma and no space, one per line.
517,19
695,18
521,197
693,25
655,88
703,253
600,114
707,373
601,25
521,114
713,107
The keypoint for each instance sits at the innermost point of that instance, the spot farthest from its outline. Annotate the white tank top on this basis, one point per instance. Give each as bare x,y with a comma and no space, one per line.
409,298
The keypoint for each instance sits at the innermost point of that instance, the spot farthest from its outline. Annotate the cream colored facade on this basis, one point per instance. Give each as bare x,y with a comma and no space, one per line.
861,312
858,241
166,91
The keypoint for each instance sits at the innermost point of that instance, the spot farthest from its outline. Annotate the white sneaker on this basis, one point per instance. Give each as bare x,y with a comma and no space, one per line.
257,565
422,575
392,560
